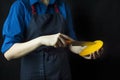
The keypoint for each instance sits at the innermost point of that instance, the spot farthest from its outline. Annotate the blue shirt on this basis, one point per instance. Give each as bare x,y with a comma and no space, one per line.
20,16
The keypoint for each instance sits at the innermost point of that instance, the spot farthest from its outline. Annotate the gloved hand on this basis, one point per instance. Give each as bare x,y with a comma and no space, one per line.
88,50
94,55
55,40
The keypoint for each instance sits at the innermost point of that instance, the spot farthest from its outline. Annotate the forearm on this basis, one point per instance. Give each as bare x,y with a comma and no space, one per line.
21,49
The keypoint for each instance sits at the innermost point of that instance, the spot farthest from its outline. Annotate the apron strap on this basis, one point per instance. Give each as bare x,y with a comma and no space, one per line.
35,12
56,8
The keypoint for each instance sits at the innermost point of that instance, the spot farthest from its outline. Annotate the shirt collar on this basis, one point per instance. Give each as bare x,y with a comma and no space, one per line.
42,6
34,1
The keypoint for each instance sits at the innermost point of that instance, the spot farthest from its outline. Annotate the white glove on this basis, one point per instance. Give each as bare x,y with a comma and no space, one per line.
78,47
55,40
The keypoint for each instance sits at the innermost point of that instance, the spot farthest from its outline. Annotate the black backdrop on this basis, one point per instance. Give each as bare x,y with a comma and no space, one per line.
93,19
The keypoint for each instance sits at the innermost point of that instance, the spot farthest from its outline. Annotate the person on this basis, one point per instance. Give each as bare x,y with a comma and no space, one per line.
37,31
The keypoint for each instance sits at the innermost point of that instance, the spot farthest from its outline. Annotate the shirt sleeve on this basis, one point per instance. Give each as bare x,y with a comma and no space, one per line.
71,29
13,27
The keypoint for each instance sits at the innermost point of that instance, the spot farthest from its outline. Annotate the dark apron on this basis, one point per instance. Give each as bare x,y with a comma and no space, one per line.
45,63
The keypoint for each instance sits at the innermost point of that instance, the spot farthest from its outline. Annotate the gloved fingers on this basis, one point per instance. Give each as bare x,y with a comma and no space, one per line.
101,51
66,38
63,43
87,57
94,55
55,39
98,53
60,42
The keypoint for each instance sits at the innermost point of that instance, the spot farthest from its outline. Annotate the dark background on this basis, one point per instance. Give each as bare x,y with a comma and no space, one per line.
93,19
